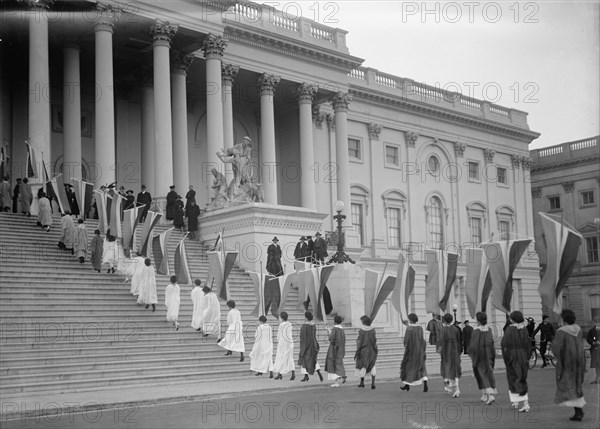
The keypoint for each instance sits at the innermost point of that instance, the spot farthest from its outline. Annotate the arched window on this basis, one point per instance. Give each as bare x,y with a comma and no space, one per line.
435,223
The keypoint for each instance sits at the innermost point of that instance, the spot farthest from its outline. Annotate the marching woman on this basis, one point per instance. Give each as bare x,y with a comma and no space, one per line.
449,346
334,362
284,361
261,356
483,354
366,352
515,352
412,369
234,337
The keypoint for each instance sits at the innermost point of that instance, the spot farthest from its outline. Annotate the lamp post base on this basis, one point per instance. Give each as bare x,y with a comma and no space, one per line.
340,257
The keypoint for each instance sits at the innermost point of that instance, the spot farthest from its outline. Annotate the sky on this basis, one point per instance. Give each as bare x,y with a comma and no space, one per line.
539,57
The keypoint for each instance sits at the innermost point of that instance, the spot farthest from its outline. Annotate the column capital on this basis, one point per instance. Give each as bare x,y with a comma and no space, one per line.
331,122
459,149
213,46
411,138
536,192
37,4
526,162
182,62
306,92
374,130
105,17
489,155
340,101
268,83
228,73
162,32
317,116
568,186
516,160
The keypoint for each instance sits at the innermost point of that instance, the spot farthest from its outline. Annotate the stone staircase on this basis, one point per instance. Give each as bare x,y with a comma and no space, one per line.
64,327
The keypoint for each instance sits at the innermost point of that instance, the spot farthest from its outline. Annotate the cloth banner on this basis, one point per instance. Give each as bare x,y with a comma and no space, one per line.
478,284
115,215
83,195
378,287
441,274
159,250
31,162
152,219
61,194
101,207
131,219
562,246
182,268
405,284
220,265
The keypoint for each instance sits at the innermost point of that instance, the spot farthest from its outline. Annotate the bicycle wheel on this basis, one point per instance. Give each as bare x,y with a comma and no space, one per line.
551,359
533,356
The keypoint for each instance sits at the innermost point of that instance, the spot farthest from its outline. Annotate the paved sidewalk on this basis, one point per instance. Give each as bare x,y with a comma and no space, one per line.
49,404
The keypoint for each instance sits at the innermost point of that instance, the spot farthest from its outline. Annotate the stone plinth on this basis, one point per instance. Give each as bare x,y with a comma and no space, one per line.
250,228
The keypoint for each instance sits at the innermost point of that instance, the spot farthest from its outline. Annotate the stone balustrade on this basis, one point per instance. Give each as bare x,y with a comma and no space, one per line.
412,90
579,149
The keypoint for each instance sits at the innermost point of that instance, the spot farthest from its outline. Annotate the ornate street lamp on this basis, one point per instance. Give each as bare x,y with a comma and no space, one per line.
340,256
454,307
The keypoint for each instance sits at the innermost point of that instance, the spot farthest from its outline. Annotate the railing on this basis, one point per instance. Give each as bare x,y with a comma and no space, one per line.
580,149
322,33
248,10
496,110
584,144
470,103
285,23
554,150
357,74
386,80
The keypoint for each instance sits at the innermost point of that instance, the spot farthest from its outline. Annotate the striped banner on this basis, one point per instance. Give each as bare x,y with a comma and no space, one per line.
152,219
403,289
83,195
258,280
4,159
131,219
220,265
378,287
284,282
159,250
562,246
322,273
503,258
61,194
115,215
441,275
101,208
478,284
182,268
31,170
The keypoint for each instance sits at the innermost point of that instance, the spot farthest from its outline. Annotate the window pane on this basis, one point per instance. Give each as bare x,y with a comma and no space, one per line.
436,235
554,203
433,164
591,246
357,220
587,197
476,230
501,175
504,230
393,216
391,155
473,171
354,148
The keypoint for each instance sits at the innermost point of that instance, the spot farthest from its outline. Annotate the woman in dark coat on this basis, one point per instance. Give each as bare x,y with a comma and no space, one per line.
97,249
483,355
178,221
171,200
366,352
189,198
593,339
193,213
567,347
449,346
515,352
334,363
412,369
309,348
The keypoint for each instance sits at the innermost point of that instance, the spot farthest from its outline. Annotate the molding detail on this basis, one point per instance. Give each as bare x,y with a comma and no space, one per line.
213,46
163,32
268,83
536,192
489,155
411,138
374,130
459,149
271,224
306,92
318,117
331,122
37,4
340,101
516,160
526,162
568,186
228,73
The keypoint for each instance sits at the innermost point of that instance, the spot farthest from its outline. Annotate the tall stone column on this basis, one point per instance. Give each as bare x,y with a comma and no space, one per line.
213,47
340,104
39,86
162,35
148,137
267,84
180,126
104,145
306,92
72,113
228,74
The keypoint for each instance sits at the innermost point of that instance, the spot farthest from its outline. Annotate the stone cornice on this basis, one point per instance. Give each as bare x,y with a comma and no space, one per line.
430,110
293,48
565,164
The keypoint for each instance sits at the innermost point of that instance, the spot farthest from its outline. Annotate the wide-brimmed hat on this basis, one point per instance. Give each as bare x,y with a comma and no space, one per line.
317,234
172,187
275,239
303,238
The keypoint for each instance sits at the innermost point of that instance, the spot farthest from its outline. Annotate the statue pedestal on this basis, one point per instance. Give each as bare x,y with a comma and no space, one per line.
250,228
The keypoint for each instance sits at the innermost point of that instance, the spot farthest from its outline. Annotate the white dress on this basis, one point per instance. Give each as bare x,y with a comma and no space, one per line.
198,300
262,351
147,286
284,361
172,301
211,315
234,337
136,268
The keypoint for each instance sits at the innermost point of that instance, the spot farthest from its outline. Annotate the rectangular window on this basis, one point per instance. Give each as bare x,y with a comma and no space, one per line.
476,230
504,227
554,203
391,155
393,217
357,220
473,171
501,175
587,197
591,247
594,305
354,148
